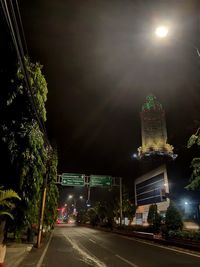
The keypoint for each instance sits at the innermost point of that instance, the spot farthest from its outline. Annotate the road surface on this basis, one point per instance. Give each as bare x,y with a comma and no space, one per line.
85,247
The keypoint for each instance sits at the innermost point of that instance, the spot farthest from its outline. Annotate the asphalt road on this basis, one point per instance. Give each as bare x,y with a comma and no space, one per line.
83,247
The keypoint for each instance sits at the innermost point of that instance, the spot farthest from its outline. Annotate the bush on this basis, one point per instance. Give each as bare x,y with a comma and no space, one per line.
189,235
137,228
152,214
154,219
173,219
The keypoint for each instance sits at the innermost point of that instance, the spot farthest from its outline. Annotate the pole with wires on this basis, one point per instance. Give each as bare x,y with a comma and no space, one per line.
10,10
120,199
44,193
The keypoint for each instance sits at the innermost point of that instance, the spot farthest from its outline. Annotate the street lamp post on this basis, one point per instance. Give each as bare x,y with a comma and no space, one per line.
75,199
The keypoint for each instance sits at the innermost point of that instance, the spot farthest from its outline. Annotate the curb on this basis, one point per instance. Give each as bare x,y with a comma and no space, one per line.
44,252
36,256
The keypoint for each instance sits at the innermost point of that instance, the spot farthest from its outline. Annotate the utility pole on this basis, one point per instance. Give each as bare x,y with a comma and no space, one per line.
120,199
41,217
88,192
88,198
43,199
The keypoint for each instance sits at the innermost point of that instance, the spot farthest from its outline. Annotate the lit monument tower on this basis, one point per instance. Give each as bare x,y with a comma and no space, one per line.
154,133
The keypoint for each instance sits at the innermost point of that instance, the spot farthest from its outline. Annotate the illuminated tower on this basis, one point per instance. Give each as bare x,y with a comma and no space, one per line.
154,133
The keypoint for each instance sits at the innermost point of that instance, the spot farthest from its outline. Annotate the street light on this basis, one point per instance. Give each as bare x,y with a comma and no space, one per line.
186,208
161,31
74,199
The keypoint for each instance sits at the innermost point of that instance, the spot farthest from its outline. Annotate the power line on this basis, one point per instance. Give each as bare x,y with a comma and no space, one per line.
4,7
16,37
22,28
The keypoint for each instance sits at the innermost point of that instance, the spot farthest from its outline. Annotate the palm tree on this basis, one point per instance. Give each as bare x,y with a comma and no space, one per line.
5,204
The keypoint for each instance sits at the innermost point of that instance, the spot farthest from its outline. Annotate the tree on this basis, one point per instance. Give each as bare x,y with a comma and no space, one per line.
101,209
128,209
6,205
195,164
50,214
152,214
92,216
154,218
82,216
173,219
26,145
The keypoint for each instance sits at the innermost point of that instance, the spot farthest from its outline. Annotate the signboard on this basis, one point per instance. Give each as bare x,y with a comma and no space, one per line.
99,180
73,179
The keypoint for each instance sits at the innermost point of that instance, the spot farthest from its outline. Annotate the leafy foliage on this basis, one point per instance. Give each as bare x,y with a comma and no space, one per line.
101,210
188,235
154,218
195,164
50,214
173,219
152,214
194,139
5,203
101,213
38,88
92,216
128,209
26,147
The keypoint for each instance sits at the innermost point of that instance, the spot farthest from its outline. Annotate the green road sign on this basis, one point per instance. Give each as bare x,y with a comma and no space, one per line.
73,179
99,180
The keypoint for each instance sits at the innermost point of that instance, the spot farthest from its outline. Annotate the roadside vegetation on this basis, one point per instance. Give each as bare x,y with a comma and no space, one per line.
194,141
29,159
168,227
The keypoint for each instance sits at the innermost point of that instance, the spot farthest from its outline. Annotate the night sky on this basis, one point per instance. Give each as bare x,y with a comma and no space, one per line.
101,59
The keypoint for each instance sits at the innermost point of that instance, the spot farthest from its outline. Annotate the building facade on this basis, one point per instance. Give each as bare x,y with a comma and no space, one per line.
151,188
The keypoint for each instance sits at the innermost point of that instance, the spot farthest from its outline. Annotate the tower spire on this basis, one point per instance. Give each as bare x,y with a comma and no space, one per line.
154,132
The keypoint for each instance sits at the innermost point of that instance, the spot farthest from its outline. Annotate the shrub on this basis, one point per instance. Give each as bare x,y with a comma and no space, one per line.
189,235
154,219
173,219
137,228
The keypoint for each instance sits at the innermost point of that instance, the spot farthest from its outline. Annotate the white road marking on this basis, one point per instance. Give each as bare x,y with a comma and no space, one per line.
160,246
125,260
90,259
44,252
92,241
